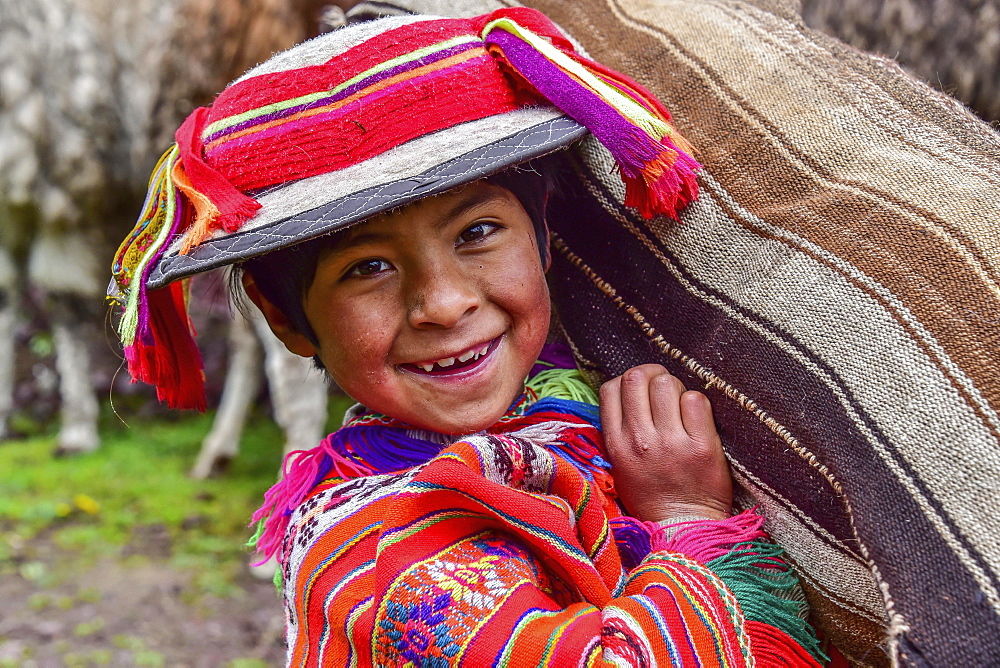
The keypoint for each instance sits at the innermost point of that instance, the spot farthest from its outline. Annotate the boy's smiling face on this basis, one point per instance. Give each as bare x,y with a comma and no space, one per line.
433,314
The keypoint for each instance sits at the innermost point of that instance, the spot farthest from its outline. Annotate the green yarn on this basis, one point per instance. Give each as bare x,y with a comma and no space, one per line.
252,544
562,384
767,595
257,533
279,583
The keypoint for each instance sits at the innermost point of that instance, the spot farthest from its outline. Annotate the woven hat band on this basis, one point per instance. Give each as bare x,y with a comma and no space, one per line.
330,130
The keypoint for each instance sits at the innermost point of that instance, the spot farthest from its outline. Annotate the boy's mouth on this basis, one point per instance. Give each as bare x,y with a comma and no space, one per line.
465,361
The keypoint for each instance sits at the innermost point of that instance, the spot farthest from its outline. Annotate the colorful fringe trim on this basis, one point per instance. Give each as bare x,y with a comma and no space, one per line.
738,551
155,330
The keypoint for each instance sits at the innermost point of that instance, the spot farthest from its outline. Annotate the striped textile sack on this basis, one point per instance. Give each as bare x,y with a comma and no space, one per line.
835,293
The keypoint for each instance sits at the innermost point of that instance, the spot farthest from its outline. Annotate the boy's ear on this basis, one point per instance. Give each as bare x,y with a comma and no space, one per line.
294,340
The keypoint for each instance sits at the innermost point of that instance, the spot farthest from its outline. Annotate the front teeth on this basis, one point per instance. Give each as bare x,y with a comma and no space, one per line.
450,361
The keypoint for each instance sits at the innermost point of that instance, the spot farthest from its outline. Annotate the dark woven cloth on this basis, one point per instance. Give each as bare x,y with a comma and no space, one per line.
835,292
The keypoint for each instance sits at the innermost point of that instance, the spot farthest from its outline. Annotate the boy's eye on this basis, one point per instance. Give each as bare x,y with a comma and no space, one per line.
477,231
368,267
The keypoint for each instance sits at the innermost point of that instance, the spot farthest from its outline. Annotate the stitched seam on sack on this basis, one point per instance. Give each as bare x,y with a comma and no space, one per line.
968,555
816,528
912,483
750,479
710,379
713,381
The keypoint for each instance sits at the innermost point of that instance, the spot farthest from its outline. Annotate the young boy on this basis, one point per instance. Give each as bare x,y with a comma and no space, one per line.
368,182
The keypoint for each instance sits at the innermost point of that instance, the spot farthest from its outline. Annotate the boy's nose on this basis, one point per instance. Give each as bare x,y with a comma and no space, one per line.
441,297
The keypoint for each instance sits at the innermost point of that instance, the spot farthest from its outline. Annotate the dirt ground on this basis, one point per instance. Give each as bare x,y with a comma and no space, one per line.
133,609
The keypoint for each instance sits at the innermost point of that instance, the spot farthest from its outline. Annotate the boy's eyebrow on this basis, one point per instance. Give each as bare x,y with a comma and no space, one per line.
351,238
477,197
355,237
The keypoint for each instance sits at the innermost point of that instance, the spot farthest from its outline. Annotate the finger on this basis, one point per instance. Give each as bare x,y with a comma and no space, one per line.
636,416
665,393
611,408
696,415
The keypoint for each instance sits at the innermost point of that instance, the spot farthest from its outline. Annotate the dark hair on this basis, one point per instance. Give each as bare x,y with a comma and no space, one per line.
283,276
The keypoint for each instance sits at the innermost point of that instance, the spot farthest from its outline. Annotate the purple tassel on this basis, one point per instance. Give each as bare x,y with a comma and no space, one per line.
633,538
659,177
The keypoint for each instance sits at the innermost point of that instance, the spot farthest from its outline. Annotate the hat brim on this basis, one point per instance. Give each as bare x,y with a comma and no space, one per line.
532,142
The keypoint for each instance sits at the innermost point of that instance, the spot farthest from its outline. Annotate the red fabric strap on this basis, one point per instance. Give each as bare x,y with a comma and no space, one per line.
234,207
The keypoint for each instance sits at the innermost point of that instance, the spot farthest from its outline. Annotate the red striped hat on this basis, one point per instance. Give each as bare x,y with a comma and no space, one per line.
358,121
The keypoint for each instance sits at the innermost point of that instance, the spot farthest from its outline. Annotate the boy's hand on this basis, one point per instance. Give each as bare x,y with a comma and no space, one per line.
662,442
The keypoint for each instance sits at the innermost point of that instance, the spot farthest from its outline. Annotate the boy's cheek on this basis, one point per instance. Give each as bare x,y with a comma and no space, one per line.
353,343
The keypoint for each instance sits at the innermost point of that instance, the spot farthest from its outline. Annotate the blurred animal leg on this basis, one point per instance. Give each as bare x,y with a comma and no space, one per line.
79,412
8,311
298,392
298,397
64,264
242,385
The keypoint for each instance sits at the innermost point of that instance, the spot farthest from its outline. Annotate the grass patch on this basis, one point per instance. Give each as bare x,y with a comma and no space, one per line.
135,491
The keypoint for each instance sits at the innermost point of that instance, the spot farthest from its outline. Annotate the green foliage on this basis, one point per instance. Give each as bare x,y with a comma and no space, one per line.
136,486
89,627
94,504
246,663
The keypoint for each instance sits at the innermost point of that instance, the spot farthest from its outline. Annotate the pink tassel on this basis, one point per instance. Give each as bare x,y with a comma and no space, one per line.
660,186
299,476
705,540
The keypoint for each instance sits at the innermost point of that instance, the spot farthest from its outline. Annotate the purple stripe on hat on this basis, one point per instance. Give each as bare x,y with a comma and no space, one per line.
347,92
631,147
326,117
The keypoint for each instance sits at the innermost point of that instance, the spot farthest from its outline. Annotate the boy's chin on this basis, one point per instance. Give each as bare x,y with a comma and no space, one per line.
458,423
459,427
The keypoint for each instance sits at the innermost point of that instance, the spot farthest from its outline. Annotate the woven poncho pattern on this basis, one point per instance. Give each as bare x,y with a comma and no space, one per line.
499,550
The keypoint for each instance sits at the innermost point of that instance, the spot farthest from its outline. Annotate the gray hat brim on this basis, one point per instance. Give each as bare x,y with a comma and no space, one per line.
532,142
